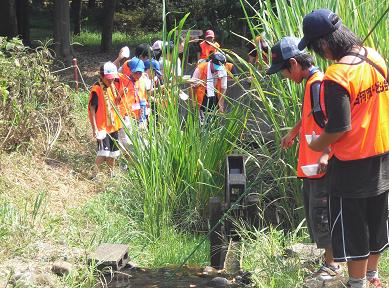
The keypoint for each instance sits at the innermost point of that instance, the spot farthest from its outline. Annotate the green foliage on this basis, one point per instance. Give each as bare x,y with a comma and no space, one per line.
18,222
90,38
263,255
32,99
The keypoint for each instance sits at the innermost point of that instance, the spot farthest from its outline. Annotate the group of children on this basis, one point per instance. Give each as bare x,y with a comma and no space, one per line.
121,97
344,135
343,131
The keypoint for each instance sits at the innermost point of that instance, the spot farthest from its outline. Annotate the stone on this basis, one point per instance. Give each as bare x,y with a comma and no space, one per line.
32,278
316,283
208,270
218,282
306,253
62,268
232,263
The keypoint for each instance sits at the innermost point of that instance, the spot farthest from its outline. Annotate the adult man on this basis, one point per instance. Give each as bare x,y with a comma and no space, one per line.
210,84
207,46
356,102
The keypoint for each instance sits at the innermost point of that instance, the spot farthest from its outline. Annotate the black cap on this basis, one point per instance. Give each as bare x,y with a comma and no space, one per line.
281,52
318,23
218,58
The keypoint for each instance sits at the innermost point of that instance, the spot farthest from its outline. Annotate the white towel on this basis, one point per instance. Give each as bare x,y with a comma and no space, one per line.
210,82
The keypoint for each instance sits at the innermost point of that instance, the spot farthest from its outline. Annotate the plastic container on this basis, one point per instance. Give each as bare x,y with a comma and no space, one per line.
100,135
310,170
309,138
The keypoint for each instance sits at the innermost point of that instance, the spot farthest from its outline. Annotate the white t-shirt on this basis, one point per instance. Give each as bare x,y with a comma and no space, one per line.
166,62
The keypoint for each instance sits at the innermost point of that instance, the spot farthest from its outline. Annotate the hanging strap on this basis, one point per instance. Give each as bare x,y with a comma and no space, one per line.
368,61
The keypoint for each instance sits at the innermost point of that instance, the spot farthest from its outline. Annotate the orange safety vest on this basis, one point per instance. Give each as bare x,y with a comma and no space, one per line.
369,103
202,88
106,117
132,93
126,69
208,48
307,156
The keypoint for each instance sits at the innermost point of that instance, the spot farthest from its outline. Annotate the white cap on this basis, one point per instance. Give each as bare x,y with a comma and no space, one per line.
110,71
157,45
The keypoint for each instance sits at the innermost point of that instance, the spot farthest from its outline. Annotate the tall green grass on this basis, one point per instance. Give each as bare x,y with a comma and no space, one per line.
277,101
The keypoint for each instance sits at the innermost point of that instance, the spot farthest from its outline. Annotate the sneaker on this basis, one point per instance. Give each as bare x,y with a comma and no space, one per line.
328,272
376,283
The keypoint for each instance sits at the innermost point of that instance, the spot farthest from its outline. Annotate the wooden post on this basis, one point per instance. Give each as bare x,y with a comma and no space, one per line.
75,72
215,213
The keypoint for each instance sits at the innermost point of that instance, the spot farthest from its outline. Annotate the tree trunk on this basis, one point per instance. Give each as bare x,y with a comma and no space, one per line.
106,34
23,18
92,4
76,12
62,31
8,21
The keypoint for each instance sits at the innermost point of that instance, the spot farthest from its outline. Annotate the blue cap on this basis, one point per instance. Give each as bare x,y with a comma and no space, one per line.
136,65
317,24
155,64
282,51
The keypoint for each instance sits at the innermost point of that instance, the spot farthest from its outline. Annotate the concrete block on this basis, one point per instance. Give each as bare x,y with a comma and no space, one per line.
110,255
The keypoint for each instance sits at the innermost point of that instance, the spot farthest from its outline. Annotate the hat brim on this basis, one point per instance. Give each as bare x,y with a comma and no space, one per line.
274,68
138,70
111,76
303,43
218,67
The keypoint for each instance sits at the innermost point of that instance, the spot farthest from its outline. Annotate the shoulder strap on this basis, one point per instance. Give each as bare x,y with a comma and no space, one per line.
367,60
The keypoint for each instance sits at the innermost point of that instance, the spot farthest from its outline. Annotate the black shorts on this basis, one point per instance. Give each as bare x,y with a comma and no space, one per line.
209,104
108,147
359,226
316,211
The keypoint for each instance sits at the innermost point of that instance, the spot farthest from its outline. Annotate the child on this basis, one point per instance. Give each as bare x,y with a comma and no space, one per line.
297,66
355,95
103,117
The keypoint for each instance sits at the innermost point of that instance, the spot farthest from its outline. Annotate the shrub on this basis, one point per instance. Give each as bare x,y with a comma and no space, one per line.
33,102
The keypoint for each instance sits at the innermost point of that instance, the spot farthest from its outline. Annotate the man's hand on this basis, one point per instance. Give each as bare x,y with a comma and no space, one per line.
323,163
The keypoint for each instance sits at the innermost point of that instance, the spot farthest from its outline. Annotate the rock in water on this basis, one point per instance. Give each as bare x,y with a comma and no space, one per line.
208,270
218,282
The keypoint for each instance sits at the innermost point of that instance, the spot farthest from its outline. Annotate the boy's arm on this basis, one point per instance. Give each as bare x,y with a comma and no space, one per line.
120,57
288,139
93,104
324,140
93,120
